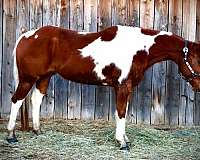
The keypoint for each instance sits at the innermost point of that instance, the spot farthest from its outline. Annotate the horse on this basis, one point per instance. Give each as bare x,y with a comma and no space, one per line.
117,56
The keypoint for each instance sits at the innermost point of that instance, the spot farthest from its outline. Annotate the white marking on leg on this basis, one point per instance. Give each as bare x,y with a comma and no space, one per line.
120,50
121,127
13,115
36,102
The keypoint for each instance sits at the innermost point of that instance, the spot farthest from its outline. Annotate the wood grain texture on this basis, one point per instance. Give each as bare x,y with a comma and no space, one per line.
35,21
103,93
102,103
74,89
134,13
146,13
1,53
88,102
50,17
189,30
9,36
22,26
104,14
144,88
133,20
60,84
172,109
88,91
159,70
119,12
36,14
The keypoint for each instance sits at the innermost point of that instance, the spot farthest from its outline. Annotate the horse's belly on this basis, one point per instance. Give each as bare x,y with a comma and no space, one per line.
79,69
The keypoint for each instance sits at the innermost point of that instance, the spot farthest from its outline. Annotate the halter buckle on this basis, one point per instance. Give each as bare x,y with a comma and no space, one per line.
185,50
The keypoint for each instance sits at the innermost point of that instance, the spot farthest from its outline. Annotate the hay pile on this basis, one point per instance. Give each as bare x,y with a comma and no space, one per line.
81,140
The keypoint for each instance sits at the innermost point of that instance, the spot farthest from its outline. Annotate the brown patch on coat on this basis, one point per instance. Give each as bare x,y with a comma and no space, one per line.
112,74
149,32
109,33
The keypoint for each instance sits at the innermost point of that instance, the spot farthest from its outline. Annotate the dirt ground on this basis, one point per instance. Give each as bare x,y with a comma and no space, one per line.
94,140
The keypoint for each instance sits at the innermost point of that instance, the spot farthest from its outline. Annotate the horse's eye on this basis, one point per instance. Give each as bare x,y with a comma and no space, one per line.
198,62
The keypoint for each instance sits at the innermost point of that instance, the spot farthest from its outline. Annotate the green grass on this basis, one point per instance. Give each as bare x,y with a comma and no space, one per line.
81,140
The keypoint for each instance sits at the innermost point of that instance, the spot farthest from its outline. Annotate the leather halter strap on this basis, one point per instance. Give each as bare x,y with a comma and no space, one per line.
193,73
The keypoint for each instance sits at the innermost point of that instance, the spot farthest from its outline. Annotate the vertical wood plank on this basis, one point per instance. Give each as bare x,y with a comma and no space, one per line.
146,13
22,26
133,20
50,17
35,14
189,30
197,95
144,89
9,37
102,103
90,15
74,89
159,70
119,12
104,14
173,108
61,85
1,52
134,13
144,99
76,15
88,91
35,21
103,93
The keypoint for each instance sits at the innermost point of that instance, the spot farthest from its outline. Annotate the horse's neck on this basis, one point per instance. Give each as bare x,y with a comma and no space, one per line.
169,49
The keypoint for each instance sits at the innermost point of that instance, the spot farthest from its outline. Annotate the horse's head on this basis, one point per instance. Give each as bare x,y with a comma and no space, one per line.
190,66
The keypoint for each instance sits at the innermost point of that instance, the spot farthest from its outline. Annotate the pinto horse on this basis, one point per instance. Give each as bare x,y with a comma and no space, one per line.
117,56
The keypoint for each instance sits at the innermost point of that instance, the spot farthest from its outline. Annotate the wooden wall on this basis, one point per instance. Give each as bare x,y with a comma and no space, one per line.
161,98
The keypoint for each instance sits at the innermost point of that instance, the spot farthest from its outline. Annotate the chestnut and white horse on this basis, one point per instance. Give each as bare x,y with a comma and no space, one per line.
117,56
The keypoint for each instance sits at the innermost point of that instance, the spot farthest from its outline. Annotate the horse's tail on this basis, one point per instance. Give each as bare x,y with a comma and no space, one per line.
15,69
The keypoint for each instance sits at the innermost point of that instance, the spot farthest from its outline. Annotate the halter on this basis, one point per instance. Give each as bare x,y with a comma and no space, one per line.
194,74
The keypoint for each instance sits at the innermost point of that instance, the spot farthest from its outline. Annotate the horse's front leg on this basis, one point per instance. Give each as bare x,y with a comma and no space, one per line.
123,93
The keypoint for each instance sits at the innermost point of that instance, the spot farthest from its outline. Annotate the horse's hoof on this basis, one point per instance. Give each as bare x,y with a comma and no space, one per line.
12,140
128,143
125,147
37,132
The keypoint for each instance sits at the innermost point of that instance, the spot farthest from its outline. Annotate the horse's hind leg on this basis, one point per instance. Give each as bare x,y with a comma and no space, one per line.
36,98
22,90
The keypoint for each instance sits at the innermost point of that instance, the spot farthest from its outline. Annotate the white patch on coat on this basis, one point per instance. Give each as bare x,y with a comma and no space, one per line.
36,36
30,33
83,32
36,100
13,115
120,50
